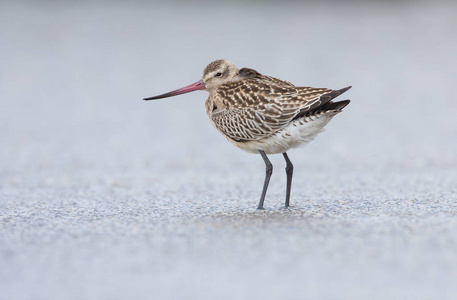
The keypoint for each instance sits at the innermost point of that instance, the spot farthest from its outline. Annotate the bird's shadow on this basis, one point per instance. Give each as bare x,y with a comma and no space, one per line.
278,212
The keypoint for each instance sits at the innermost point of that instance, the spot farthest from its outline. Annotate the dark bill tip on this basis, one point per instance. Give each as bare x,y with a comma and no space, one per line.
199,85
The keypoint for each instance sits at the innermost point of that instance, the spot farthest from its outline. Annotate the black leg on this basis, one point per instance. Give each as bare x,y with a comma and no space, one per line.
268,172
289,172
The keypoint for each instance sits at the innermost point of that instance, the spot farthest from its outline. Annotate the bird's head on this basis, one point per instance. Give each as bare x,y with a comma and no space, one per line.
216,73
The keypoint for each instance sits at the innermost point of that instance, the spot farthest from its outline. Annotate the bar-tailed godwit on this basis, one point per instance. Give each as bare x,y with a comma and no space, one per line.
263,114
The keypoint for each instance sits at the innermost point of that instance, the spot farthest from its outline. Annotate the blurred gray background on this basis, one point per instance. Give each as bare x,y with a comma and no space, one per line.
105,196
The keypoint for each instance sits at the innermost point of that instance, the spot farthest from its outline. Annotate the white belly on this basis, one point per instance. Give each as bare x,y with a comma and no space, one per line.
294,135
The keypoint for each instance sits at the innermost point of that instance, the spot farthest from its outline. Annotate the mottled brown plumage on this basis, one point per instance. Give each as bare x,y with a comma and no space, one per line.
251,106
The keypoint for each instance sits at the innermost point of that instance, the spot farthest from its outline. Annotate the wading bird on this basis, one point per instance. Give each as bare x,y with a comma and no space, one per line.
263,114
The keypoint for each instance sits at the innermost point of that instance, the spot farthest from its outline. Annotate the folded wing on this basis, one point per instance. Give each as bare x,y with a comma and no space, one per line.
255,107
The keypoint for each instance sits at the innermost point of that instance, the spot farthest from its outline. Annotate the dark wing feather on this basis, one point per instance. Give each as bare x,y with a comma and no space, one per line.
325,103
254,109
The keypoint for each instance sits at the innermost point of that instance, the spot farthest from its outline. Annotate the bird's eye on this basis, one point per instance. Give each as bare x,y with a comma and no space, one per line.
218,74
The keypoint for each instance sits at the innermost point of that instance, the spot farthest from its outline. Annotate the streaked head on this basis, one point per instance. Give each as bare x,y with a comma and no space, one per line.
216,73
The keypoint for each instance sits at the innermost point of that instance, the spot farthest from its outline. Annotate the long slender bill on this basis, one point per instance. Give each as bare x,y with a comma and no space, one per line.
199,85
